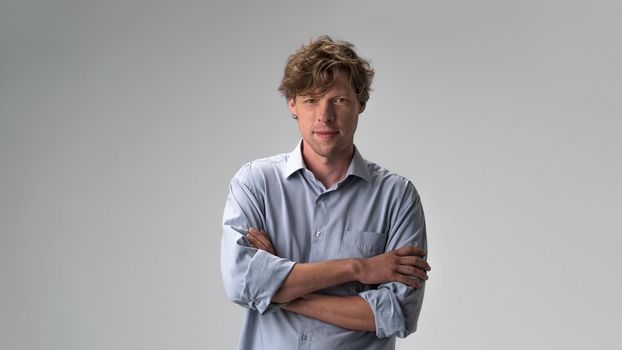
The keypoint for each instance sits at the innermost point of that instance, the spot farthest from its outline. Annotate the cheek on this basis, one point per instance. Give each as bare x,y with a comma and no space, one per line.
353,124
303,126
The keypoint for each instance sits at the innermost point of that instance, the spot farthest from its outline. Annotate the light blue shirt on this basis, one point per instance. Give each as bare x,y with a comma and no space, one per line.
371,211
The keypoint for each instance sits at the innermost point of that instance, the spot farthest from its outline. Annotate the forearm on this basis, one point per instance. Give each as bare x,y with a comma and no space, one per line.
305,278
351,312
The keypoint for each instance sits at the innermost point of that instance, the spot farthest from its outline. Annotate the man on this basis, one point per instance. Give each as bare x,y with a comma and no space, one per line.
325,249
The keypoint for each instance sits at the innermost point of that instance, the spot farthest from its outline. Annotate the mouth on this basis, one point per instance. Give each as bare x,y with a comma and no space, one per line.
326,134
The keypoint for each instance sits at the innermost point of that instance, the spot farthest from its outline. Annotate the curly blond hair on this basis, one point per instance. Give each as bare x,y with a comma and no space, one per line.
313,68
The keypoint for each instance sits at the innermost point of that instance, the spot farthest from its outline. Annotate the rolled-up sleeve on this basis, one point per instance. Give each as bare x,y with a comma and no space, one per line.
397,306
250,276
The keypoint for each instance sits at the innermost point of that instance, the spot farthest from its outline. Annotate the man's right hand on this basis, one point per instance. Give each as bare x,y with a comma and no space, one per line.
260,240
399,265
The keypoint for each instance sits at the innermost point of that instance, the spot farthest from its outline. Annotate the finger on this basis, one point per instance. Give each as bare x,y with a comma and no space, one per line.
250,234
412,271
266,239
410,250
414,261
263,238
255,242
407,281
253,239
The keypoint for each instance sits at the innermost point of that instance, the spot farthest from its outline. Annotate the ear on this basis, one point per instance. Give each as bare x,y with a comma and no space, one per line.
362,107
291,103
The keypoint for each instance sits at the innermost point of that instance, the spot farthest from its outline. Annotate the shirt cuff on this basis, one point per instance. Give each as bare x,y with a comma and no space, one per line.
264,276
390,320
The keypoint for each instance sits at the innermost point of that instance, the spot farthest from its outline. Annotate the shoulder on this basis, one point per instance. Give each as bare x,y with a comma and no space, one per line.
261,170
388,180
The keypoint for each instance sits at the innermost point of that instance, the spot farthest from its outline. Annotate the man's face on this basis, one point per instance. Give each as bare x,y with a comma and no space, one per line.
327,122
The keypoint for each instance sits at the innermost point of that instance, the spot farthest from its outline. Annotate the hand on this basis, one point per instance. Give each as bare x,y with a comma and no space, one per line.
399,265
260,240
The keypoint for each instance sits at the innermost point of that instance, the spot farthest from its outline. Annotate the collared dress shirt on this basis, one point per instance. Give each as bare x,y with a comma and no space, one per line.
371,211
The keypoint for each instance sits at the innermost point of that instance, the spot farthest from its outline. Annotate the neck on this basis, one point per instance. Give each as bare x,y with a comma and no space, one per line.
327,170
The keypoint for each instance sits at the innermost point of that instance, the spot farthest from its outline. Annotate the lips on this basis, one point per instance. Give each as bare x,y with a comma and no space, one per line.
326,134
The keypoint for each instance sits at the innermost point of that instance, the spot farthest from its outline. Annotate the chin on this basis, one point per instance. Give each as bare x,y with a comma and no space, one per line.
331,152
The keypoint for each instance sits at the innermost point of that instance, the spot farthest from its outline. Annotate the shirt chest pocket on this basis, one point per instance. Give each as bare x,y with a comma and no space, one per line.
362,244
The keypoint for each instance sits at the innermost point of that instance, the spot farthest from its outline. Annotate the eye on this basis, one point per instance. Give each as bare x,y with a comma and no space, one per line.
341,100
310,100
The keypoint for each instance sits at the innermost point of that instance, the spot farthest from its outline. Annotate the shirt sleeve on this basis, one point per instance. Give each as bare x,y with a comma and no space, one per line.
250,276
396,306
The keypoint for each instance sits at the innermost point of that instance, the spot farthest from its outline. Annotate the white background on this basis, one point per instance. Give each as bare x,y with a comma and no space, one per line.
121,123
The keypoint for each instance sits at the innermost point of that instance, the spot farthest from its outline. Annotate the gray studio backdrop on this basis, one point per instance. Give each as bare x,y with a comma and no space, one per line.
121,123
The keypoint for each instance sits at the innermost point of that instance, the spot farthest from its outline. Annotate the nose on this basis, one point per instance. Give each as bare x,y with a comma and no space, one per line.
326,112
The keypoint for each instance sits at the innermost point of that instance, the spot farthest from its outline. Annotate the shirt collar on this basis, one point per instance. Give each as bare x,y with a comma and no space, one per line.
294,161
358,165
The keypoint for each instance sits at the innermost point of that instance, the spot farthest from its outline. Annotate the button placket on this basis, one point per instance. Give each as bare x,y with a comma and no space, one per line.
320,204
318,230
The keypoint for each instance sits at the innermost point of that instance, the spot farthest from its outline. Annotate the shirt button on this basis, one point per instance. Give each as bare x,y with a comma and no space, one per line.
304,338
318,233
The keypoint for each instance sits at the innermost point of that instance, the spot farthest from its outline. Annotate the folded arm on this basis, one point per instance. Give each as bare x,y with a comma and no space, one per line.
399,265
351,312
393,307
257,278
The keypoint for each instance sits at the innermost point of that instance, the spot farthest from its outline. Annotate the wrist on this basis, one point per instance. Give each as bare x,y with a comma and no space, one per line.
356,268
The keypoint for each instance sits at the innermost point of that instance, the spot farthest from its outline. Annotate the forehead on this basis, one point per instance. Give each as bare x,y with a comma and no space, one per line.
341,85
